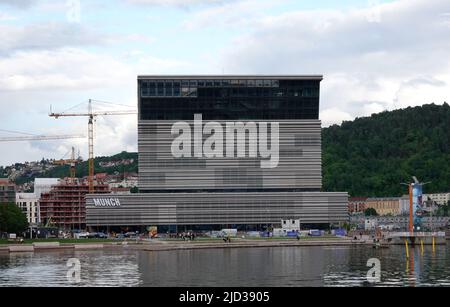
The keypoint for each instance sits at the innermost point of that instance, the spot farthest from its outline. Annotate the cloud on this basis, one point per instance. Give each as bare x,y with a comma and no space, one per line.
33,80
49,36
6,17
178,3
334,116
370,55
62,69
20,4
236,14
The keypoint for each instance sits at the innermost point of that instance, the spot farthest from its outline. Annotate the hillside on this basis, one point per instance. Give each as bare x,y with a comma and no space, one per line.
116,165
371,156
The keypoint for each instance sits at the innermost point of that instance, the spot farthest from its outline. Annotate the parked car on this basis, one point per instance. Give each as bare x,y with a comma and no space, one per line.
119,236
101,235
93,235
81,235
131,235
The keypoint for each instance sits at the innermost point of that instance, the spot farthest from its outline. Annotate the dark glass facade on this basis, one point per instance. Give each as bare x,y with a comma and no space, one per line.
229,98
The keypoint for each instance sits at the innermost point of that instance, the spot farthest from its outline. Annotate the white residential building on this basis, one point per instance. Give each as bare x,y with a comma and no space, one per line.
29,204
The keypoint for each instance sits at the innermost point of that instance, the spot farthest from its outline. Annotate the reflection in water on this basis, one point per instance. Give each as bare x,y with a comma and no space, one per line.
287,266
98,268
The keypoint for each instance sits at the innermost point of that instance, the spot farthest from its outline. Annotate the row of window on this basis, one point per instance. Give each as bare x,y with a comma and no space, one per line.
230,92
209,83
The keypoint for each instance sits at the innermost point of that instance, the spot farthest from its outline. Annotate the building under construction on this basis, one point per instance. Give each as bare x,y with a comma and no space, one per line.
65,205
7,191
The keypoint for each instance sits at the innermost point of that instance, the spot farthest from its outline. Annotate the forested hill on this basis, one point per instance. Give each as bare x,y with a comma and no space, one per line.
371,156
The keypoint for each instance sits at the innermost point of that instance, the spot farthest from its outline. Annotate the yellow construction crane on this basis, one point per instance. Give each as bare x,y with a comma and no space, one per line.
91,115
72,162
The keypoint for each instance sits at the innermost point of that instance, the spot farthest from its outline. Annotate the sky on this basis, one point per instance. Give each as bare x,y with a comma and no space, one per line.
375,56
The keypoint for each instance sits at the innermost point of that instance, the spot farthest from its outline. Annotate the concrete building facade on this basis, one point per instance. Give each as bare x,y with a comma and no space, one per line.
29,203
385,206
357,205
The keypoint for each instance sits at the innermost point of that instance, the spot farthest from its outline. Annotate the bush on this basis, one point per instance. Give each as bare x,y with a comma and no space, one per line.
12,219
370,212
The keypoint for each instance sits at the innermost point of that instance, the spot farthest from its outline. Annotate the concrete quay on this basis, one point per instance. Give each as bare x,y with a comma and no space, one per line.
161,245
169,246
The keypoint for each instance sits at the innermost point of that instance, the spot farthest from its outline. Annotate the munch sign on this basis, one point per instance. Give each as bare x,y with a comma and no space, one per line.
106,202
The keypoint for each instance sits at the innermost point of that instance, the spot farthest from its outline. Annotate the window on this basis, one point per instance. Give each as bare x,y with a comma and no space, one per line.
254,101
184,91
169,89
160,89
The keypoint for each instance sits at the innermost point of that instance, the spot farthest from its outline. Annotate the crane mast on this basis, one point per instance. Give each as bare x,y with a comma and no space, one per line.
91,116
71,162
91,149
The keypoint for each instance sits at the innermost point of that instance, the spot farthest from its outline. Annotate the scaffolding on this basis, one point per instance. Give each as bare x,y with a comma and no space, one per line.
65,205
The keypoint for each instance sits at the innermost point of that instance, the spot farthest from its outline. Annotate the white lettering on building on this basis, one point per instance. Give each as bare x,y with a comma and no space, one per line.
106,202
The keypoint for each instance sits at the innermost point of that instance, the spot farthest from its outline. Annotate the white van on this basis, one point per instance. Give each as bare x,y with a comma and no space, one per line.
229,232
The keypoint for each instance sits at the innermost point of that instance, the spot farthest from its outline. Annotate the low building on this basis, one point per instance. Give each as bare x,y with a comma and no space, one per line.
441,199
356,204
398,222
29,203
385,206
7,191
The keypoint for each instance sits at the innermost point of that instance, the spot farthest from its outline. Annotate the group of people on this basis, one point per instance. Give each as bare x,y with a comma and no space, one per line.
187,236
227,239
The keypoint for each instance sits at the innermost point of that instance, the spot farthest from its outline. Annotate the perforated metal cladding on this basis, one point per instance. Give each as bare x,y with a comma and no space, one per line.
299,161
219,208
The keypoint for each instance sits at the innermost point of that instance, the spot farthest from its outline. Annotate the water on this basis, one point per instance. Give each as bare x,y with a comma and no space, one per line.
286,266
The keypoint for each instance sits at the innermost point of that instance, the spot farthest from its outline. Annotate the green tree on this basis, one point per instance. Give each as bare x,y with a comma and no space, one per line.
443,210
371,156
12,219
370,212
134,190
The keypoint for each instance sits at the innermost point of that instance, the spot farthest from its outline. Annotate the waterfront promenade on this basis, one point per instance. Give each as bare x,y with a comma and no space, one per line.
168,245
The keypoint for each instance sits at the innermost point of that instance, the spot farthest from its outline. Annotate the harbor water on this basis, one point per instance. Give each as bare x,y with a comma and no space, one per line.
247,267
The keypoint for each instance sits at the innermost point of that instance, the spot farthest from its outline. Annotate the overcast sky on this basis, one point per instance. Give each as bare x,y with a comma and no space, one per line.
374,55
